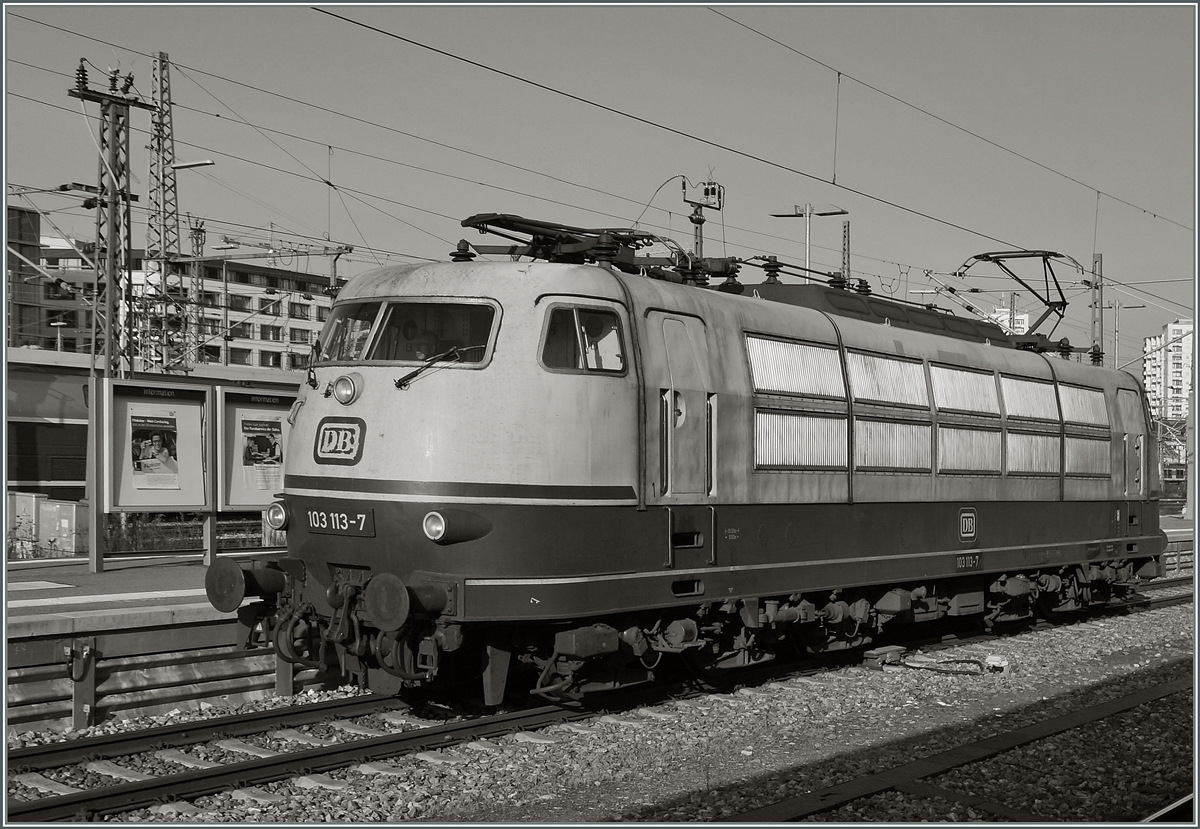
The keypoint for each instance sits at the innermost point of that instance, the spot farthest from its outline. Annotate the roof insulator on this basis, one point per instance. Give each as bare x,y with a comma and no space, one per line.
772,269
863,287
605,249
463,252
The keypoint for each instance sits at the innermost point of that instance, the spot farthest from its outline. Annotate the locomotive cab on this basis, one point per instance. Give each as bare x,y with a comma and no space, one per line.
478,430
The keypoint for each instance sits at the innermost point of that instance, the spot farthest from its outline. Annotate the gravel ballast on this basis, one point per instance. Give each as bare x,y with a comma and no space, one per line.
714,758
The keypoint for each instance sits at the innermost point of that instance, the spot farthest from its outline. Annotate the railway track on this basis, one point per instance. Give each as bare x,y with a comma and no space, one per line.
282,751
305,741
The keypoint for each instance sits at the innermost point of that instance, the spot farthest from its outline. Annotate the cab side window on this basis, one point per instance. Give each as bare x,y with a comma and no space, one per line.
583,339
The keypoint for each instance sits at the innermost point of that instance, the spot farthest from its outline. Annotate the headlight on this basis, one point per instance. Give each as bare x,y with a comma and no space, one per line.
452,526
277,516
347,388
434,526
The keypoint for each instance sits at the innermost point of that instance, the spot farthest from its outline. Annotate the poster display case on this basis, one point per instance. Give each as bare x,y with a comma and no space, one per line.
157,447
252,441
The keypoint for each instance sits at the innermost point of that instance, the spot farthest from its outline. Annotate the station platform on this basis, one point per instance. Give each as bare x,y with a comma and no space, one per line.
61,596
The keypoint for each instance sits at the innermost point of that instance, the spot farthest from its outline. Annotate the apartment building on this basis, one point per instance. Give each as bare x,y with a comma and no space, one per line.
1167,370
221,310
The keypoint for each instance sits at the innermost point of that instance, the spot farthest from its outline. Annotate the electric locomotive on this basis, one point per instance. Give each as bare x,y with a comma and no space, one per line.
552,475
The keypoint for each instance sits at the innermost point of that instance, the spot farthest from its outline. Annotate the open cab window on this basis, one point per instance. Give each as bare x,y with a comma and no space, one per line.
406,331
583,339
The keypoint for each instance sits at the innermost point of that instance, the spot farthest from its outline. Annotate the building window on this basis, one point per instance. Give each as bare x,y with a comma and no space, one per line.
298,310
210,300
239,356
210,327
270,359
241,329
239,303
270,332
322,313
268,306
210,354
298,360
299,335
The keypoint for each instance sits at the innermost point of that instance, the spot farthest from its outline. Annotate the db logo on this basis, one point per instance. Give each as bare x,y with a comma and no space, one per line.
339,440
967,528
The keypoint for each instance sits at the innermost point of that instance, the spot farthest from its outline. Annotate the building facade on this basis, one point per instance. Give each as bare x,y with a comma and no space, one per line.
1167,371
210,310
40,313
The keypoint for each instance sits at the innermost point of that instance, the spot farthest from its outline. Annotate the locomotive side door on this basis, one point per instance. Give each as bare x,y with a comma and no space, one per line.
1133,427
682,384
679,376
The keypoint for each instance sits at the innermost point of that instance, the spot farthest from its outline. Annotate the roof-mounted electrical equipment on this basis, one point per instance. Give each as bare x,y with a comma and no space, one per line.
1050,295
625,249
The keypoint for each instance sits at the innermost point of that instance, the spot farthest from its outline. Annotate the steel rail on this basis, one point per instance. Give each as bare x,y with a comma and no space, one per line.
107,746
129,796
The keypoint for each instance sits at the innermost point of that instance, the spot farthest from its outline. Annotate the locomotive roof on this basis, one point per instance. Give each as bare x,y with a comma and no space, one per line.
501,279
843,303
433,278
619,248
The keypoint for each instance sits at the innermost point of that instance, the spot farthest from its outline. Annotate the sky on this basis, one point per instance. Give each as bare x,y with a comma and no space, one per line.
944,131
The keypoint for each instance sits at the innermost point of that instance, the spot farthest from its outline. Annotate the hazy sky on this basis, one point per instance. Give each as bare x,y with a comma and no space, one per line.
944,131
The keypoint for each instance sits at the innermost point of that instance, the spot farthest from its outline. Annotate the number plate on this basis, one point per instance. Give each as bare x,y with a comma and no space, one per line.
341,522
966,561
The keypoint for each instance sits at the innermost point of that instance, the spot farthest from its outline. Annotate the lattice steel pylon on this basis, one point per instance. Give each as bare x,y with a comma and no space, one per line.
165,329
113,300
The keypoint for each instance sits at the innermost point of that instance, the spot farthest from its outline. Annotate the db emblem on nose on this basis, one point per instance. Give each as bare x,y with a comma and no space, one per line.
967,531
339,440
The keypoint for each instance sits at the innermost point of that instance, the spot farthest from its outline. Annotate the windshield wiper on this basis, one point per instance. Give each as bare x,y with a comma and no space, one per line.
454,355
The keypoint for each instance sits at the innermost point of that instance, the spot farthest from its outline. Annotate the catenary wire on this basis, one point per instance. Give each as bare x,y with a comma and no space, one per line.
561,93
949,123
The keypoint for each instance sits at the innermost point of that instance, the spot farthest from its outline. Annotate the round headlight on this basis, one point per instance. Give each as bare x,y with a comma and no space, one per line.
434,526
346,388
277,516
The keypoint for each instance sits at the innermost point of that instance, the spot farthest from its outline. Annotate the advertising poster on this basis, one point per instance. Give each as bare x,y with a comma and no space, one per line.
262,453
252,440
154,441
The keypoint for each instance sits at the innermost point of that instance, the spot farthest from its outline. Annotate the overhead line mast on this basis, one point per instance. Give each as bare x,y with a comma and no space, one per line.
167,325
113,243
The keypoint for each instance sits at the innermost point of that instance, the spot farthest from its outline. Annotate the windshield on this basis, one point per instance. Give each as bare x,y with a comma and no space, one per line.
406,331
345,334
